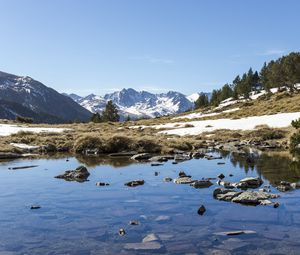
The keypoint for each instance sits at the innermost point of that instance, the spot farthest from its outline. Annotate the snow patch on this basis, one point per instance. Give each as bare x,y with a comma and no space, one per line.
7,129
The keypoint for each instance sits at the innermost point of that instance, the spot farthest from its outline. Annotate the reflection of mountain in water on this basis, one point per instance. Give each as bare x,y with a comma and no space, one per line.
274,168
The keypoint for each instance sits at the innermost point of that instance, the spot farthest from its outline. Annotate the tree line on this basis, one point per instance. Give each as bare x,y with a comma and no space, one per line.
284,71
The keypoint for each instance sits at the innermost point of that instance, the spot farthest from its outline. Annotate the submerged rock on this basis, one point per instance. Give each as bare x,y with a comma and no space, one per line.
80,174
148,246
150,238
162,158
134,223
35,207
135,183
168,179
221,176
122,232
201,210
102,184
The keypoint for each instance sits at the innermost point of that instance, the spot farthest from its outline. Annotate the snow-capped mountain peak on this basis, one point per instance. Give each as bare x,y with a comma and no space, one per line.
138,104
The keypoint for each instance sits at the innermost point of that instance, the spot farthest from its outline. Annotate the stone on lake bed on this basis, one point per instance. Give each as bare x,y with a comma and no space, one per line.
168,179
201,210
135,183
35,207
102,184
221,176
235,233
143,246
150,238
134,223
122,232
163,218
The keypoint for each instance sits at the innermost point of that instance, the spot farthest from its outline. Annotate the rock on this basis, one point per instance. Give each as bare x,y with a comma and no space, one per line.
134,223
226,185
253,198
142,156
157,164
183,180
135,183
174,163
122,154
286,186
183,174
156,173
150,238
168,179
34,207
201,210
198,155
201,184
235,233
122,232
163,158
221,163
221,176
101,184
80,174
182,157
250,182
22,167
225,194
9,155
230,175
163,218
276,205
143,246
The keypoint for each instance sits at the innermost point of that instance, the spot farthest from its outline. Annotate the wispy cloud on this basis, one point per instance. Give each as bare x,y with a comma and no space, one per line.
153,60
272,52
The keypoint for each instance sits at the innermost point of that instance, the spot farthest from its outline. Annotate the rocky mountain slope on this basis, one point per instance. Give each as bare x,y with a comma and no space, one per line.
24,96
139,104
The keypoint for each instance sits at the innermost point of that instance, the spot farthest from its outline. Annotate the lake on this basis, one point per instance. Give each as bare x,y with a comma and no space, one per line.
82,218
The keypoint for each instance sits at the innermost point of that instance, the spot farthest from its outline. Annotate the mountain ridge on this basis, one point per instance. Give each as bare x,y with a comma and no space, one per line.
139,104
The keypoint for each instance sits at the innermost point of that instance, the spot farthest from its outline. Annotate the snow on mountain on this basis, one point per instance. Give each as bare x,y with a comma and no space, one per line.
24,96
138,104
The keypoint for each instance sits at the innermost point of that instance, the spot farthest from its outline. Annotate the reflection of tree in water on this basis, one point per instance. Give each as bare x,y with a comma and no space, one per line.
92,161
274,168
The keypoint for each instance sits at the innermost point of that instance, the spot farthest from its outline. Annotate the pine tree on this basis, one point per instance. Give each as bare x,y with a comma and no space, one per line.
96,118
110,112
202,101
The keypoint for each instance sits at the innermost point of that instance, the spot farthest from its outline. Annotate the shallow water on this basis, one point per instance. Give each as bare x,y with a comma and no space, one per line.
82,218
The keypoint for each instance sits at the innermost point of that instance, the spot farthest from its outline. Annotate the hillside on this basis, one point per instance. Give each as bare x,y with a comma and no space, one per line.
24,96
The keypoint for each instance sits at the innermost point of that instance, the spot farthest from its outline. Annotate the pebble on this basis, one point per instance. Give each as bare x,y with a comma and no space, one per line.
201,210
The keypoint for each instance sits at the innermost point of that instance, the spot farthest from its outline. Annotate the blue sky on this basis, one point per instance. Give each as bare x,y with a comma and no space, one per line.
86,46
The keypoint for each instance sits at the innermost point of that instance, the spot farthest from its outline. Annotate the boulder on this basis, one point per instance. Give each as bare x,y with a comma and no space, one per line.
254,198
244,197
135,183
250,182
183,180
287,186
80,174
162,158
142,156
198,184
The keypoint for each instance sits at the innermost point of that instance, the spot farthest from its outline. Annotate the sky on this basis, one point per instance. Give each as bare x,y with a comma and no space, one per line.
99,46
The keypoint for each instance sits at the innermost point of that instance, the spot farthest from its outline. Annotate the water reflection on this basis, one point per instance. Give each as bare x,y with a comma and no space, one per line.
274,167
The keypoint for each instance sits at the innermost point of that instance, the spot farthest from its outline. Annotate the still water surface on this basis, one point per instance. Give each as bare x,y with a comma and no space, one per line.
82,218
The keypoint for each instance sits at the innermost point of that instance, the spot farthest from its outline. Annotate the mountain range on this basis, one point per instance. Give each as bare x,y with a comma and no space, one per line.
26,97
139,104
